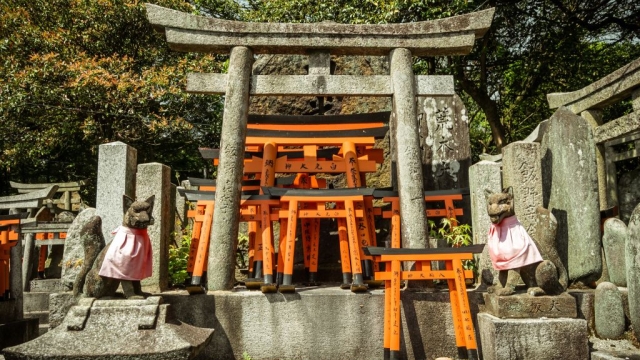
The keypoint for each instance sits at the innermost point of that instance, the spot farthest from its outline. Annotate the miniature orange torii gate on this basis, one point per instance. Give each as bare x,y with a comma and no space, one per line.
293,201
454,274
9,236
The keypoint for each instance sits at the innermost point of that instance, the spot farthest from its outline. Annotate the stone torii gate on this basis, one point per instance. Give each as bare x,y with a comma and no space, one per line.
444,37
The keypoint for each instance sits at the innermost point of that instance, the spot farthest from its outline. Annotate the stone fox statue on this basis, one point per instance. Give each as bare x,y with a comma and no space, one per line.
511,248
126,261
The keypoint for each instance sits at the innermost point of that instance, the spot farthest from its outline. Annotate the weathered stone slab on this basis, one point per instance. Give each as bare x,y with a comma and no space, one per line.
618,127
307,325
521,170
483,175
628,193
446,152
116,177
609,311
525,306
570,191
533,339
109,329
597,95
585,302
155,179
186,32
73,256
613,241
538,132
632,250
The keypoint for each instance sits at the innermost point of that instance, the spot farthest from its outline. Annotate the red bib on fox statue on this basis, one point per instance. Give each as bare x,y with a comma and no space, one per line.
129,256
510,247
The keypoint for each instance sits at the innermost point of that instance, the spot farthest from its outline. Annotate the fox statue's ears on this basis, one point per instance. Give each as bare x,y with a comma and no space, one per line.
127,201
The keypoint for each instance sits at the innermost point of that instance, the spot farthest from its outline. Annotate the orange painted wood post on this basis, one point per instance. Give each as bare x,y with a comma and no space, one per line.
251,235
267,244
203,245
195,236
345,260
354,246
267,178
290,245
395,319
354,178
44,249
469,336
258,256
284,225
455,313
315,251
4,261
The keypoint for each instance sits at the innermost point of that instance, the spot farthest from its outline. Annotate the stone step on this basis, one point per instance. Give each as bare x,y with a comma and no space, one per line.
43,329
45,285
42,316
36,301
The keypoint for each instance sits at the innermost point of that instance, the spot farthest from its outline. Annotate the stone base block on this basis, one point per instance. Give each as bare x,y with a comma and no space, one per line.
18,332
521,306
46,285
116,329
533,339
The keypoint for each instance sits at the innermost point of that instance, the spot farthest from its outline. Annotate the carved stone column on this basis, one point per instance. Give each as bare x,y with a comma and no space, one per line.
224,232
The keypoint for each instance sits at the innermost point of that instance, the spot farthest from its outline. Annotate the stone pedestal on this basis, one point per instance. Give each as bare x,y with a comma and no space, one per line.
533,339
116,329
116,177
525,306
155,179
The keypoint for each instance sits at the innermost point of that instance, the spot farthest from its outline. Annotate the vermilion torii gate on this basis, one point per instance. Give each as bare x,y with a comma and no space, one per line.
185,32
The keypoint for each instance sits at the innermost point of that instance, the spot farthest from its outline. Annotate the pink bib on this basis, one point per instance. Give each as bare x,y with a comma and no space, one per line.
129,256
510,246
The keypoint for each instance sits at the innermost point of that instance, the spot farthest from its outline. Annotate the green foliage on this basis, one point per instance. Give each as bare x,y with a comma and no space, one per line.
246,356
242,251
178,257
455,234
77,74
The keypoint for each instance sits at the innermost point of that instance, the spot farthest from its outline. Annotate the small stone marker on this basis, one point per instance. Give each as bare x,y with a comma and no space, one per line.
557,338
483,175
570,192
521,170
614,240
525,306
609,312
444,129
155,179
446,151
73,256
116,177
632,250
